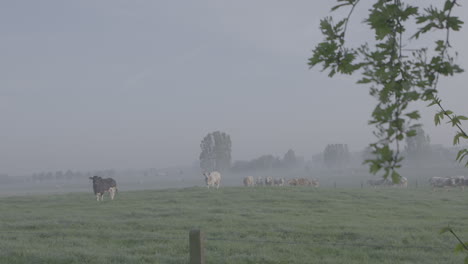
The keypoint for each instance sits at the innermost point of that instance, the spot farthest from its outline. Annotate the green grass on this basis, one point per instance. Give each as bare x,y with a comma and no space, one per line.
242,225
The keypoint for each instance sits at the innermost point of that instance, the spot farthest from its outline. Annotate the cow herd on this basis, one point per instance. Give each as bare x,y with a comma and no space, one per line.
269,181
448,182
213,179
249,181
260,181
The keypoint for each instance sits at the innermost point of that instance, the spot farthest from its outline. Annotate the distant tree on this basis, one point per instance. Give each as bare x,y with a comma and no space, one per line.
59,175
215,152
69,175
49,176
290,159
240,166
266,162
78,175
418,146
336,155
263,162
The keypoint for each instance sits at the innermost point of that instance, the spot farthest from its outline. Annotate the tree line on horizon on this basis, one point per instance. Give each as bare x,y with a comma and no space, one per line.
216,150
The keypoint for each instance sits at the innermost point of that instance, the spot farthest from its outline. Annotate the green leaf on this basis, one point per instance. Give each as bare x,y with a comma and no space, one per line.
448,5
411,133
400,137
460,247
456,138
413,115
437,119
338,6
454,23
364,80
440,45
461,154
374,167
396,176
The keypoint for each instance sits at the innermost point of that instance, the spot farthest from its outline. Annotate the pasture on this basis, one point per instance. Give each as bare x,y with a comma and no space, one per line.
242,225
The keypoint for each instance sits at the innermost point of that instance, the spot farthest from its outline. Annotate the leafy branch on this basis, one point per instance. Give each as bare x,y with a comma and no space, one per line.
461,246
396,80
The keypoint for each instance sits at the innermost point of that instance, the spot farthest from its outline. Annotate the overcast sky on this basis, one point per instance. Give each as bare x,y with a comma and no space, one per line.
138,84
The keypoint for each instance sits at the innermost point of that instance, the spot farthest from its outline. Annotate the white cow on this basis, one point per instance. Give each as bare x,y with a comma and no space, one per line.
248,181
213,178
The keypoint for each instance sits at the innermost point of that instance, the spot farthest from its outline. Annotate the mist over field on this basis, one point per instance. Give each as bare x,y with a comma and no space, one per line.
162,102
351,174
89,86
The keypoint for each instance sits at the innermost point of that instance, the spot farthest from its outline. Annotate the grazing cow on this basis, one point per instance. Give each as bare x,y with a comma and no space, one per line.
268,181
248,181
259,181
101,186
293,182
304,182
212,179
279,181
441,182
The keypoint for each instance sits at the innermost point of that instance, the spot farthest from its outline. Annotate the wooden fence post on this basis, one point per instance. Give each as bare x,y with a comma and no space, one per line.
197,247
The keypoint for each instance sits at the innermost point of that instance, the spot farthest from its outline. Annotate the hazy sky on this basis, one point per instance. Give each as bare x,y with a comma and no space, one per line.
138,84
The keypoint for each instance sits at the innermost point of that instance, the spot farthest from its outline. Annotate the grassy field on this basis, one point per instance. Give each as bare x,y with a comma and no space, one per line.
242,225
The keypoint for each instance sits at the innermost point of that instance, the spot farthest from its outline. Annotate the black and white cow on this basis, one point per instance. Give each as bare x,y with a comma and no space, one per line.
101,186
